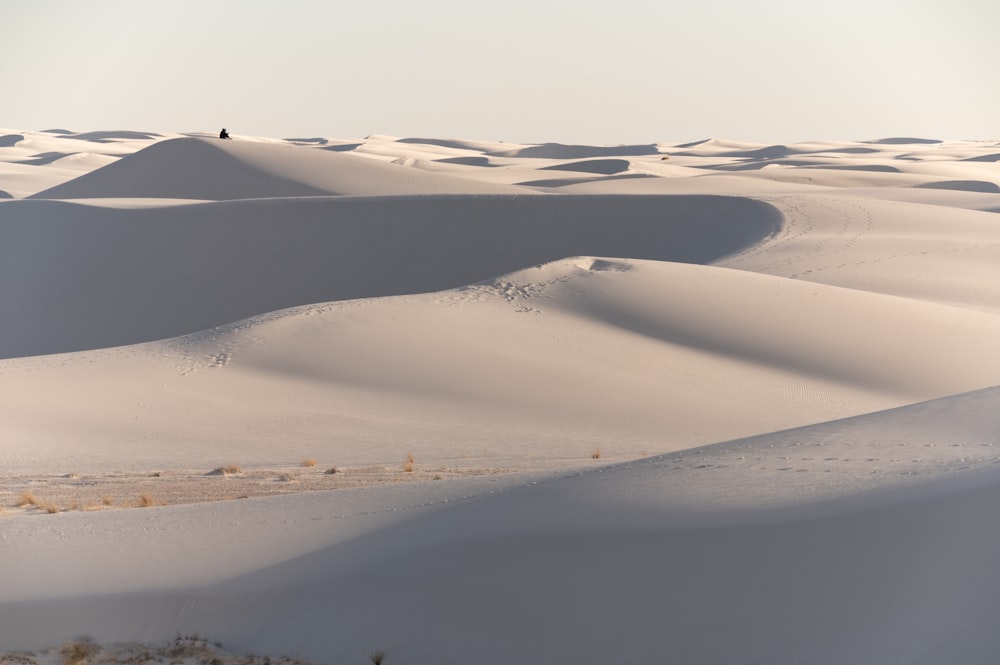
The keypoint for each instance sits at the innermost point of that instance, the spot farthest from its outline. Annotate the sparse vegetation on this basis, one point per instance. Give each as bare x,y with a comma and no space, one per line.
377,657
26,499
309,462
185,649
146,501
78,651
36,496
596,454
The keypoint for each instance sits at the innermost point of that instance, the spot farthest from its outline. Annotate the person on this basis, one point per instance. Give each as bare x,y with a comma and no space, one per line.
223,134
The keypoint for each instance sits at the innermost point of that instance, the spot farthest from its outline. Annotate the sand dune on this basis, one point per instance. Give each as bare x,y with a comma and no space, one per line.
743,398
83,277
589,353
191,168
617,563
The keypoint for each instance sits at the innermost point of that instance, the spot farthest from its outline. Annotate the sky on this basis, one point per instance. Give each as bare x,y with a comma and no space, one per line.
569,71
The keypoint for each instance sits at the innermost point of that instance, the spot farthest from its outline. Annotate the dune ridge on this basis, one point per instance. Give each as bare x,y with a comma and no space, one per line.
115,280
211,169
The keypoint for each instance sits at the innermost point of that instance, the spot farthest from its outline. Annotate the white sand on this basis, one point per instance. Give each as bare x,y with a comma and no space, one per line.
173,304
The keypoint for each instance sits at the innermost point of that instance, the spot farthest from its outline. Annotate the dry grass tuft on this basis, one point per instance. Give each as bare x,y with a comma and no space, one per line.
26,499
377,657
107,500
147,501
596,454
78,651
309,462
332,470
408,466
50,508
230,470
184,650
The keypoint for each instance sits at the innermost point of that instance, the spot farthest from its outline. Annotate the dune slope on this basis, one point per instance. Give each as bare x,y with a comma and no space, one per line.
77,277
212,169
624,356
617,563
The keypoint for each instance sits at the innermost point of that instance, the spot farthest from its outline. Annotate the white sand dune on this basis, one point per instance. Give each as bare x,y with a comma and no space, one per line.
589,353
33,161
64,264
746,396
193,168
811,556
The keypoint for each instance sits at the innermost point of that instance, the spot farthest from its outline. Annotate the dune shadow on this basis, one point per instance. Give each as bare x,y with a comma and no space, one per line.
44,158
470,160
597,166
903,140
441,143
765,153
311,141
872,168
112,136
995,157
563,182
342,147
564,151
983,186
76,277
857,150
10,140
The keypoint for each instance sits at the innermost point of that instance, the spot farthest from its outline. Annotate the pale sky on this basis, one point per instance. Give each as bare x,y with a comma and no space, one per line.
572,71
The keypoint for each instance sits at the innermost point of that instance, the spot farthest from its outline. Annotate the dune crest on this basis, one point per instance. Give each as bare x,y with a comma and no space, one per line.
105,277
211,169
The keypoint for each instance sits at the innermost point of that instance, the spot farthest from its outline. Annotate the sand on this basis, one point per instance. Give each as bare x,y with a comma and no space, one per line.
715,402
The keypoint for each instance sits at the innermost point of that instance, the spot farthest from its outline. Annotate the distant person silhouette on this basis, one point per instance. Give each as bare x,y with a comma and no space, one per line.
223,134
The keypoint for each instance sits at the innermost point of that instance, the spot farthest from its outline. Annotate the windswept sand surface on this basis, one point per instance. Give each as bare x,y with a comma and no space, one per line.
708,403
